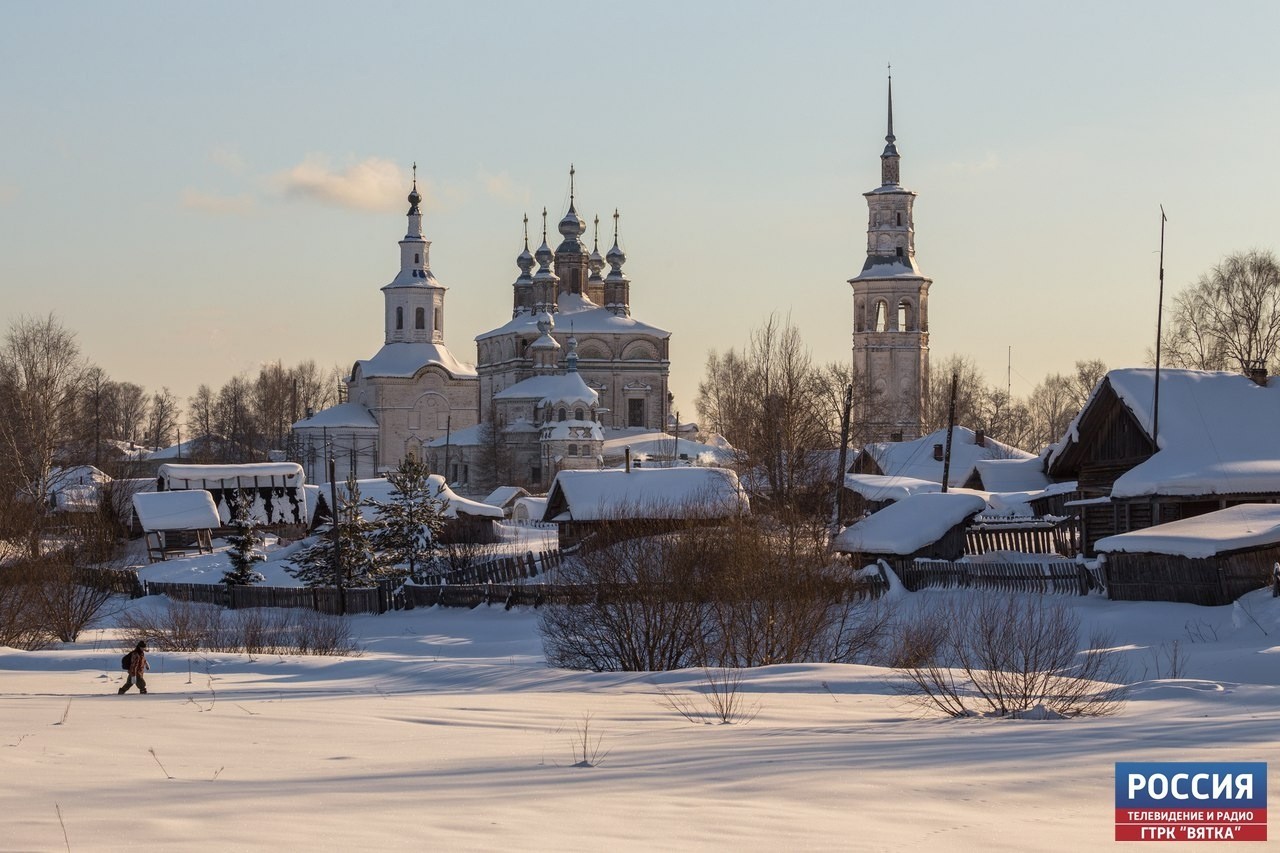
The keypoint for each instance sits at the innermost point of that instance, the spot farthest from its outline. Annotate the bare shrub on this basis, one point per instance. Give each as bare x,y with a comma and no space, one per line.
69,601
188,627
21,622
918,639
1011,656
722,700
586,751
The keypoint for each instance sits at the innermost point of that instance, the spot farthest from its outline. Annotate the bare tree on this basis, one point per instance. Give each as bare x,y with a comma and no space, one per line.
41,377
162,419
1230,318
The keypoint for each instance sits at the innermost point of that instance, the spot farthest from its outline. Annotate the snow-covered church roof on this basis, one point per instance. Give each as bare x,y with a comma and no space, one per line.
565,388
404,360
1219,432
581,316
346,415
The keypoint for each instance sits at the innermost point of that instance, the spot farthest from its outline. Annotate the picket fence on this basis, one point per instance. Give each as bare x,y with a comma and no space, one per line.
1045,577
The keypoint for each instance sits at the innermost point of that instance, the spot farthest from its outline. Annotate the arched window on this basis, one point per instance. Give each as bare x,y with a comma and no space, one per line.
577,414
439,325
562,413
881,319
399,317
898,251
906,318
415,257
899,218
420,318
573,450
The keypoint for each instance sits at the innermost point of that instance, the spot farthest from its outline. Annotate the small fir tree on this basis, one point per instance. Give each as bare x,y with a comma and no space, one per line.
246,543
409,523
360,562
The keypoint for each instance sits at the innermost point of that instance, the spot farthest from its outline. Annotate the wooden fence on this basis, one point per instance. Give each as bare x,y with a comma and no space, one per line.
1057,576
1209,581
502,569
1025,536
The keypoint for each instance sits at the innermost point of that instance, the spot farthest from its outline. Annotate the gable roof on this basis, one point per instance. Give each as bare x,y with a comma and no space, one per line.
915,458
1218,432
657,493
912,523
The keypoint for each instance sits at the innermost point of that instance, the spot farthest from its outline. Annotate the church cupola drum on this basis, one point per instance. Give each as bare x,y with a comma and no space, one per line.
891,308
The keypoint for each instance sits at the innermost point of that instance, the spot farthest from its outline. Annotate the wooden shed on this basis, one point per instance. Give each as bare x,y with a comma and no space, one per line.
176,522
930,525
1210,559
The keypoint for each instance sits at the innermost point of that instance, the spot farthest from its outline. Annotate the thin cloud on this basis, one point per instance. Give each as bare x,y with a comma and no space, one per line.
372,184
8,193
228,159
989,163
209,203
501,187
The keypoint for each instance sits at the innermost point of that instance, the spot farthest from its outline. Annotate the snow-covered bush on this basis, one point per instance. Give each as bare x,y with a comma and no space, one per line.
1016,656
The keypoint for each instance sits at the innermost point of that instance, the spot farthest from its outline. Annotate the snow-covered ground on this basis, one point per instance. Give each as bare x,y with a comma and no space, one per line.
449,732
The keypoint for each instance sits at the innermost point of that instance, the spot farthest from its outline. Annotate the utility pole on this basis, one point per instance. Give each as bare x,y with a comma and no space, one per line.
337,540
844,458
951,425
1155,406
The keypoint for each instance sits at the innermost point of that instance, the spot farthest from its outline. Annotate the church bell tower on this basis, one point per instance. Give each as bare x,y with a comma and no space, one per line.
891,309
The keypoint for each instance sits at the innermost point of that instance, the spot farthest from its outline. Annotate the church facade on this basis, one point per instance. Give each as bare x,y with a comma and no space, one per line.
891,309
570,364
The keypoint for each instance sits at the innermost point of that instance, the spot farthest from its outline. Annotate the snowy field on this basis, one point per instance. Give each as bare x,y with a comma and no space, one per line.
449,732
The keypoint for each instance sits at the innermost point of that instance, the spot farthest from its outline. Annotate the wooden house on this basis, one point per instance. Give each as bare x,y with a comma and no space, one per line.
584,504
1210,559
1217,447
924,525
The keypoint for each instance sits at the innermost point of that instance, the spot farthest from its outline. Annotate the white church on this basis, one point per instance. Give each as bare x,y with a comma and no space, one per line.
570,366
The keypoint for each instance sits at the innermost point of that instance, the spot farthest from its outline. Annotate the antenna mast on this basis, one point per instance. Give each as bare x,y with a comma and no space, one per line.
1155,405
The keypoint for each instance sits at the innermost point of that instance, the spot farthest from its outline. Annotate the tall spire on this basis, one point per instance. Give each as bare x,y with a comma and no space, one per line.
889,172
889,137
571,173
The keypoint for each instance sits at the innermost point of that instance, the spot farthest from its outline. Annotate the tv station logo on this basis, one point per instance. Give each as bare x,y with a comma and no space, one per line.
1191,801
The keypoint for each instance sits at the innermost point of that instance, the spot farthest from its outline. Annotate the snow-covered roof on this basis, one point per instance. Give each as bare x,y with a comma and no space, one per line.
661,445
659,493
379,489
1218,432
231,476
529,508
341,415
566,388
504,495
888,267
915,458
471,436
910,524
582,316
403,360
1231,529
192,509
1012,475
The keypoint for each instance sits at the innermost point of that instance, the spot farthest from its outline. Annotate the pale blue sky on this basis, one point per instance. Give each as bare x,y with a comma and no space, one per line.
193,189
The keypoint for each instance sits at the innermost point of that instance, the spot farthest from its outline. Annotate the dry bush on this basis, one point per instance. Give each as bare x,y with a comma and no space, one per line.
70,602
1008,656
722,700
188,627
21,622
741,593
918,639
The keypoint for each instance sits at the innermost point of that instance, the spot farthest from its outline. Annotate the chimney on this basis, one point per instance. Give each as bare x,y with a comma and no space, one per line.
937,452
980,438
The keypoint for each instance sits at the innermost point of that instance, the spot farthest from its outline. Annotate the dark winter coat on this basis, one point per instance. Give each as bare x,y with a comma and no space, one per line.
138,662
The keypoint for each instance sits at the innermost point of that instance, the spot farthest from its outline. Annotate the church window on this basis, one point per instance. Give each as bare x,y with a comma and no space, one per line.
577,414
899,251
562,414
399,317
573,450
881,319
899,218
635,412
420,318
904,316
439,321
415,257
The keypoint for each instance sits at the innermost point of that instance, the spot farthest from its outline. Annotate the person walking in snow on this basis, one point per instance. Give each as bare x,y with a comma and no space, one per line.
137,666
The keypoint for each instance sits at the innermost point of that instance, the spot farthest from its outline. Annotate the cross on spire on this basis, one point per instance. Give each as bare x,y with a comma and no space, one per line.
415,174
544,224
526,232
615,226
889,137
571,172
595,246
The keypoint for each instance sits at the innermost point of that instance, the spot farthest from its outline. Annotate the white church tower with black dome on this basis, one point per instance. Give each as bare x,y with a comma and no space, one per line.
891,309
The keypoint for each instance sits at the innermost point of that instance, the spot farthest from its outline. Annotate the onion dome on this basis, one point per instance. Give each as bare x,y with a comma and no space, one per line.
525,259
596,263
544,255
572,226
615,256
415,198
